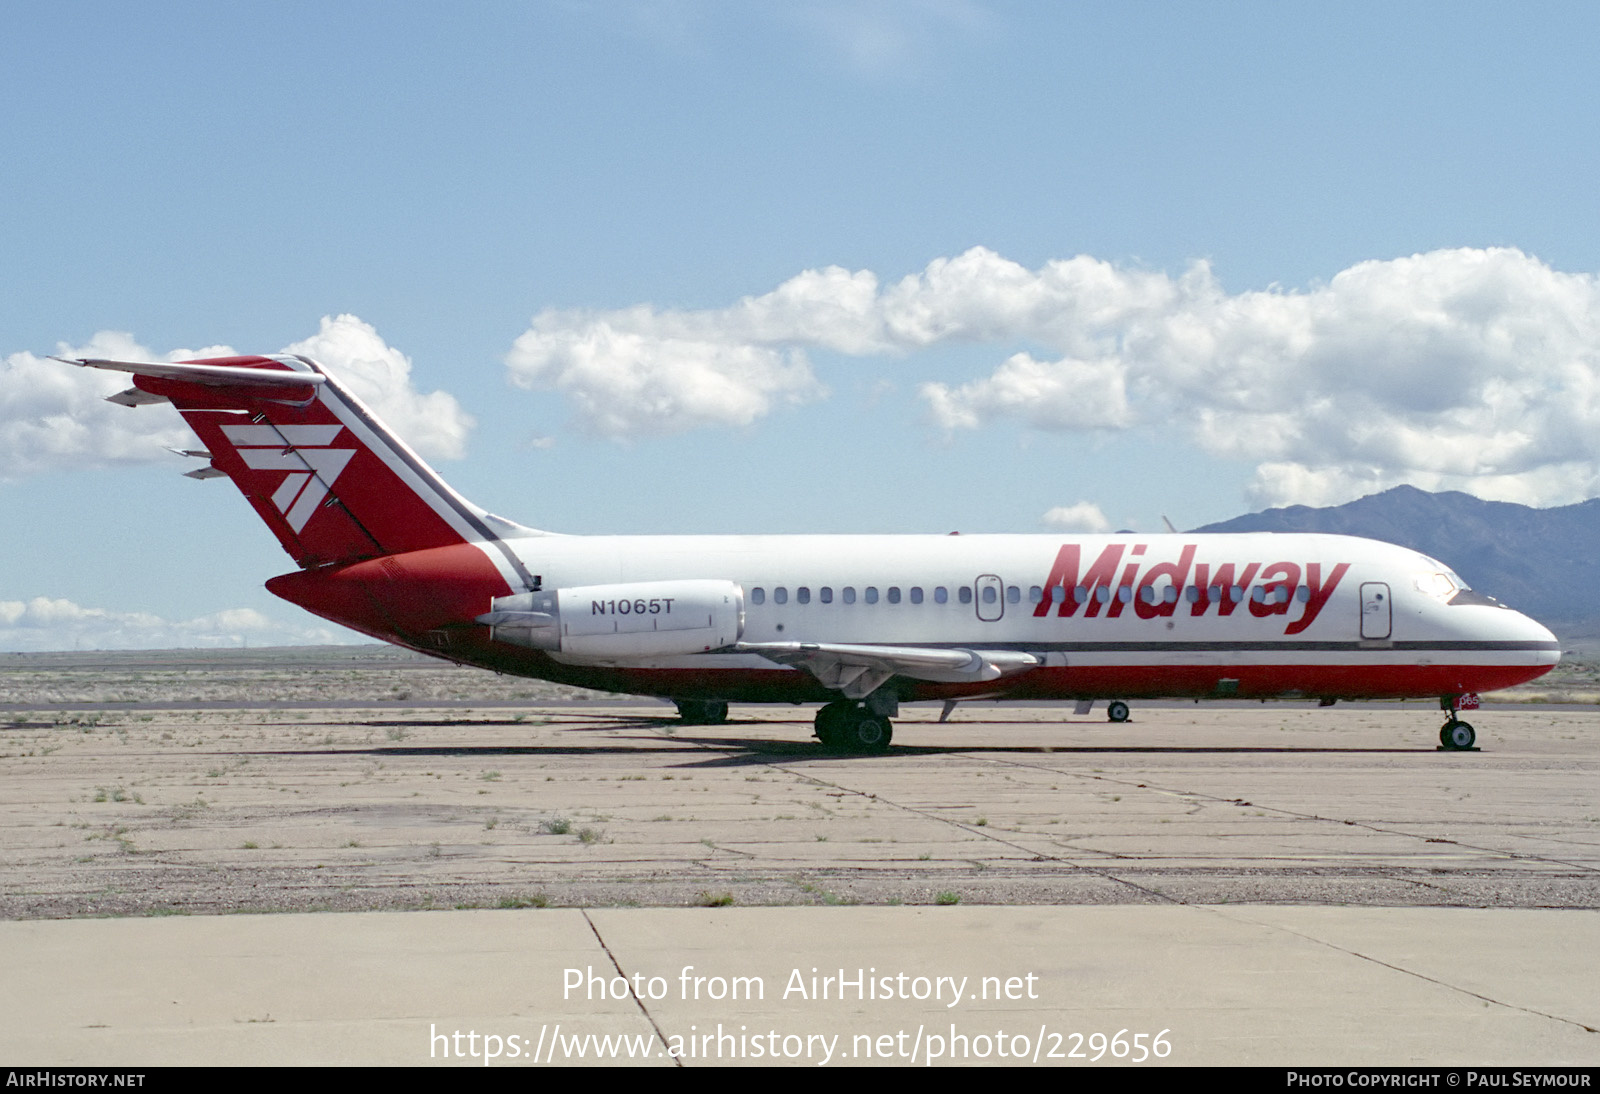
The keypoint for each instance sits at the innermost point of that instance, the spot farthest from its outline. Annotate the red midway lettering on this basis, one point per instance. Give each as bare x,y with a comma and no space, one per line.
1228,592
1064,576
1176,572
1275,594
1320,592
1227,585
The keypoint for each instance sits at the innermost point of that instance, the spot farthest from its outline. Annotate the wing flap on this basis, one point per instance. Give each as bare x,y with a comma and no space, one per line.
857,670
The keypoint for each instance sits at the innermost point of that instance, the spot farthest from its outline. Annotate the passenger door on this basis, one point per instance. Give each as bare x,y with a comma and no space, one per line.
1377,615
991,599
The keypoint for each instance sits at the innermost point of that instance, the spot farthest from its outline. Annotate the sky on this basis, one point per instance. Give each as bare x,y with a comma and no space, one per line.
812,267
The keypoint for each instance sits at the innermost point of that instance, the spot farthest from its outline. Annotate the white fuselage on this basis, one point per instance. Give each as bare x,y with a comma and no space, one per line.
1146,608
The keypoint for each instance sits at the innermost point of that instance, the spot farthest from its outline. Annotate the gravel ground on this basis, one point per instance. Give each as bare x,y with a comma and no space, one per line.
600,804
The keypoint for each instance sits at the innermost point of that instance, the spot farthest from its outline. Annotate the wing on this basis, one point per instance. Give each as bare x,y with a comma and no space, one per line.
858,670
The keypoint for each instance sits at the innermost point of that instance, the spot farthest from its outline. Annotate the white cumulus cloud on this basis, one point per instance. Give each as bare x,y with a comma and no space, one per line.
1460,369
54,416
635,374
1082,517
47,623
1473,369
380,375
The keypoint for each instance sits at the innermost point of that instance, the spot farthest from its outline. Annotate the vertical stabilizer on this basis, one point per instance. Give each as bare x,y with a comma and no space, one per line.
330,479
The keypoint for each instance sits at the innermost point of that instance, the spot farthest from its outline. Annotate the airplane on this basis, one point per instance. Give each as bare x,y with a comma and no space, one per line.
857,623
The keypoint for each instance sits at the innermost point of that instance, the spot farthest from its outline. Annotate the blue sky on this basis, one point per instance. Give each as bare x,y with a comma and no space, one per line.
683,267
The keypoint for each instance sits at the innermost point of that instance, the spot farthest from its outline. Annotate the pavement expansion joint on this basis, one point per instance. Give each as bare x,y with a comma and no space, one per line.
1447,985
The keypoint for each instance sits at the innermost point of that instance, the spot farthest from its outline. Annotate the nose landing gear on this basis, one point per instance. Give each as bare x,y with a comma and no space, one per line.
1456,735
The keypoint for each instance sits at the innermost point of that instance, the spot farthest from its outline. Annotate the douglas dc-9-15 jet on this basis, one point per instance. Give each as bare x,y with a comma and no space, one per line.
857,623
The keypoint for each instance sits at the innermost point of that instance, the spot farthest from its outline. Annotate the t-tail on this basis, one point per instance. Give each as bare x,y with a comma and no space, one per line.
361,513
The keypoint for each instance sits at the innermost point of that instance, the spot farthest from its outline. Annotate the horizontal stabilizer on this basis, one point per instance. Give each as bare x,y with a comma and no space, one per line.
209,375
858,670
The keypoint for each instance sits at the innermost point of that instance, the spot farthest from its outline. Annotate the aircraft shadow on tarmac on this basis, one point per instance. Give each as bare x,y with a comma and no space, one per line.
735,751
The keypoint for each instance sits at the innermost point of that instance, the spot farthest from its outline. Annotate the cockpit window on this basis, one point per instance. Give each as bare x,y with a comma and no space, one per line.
1437,584
1434,566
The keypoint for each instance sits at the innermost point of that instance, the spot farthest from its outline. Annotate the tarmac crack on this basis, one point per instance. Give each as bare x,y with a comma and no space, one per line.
644,1010
1401,969
1515,856
1033,853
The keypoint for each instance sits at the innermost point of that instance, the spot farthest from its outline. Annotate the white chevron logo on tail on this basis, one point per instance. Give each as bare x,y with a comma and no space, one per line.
301,450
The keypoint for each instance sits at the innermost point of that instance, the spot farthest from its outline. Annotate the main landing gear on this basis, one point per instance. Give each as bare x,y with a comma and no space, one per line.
1116,711
1455,735
702,712
844,726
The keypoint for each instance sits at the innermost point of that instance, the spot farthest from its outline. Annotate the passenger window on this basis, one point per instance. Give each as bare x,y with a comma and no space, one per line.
849,594
871,596
1302,594
826,594
1192,594
758,595
940,595
989,594
1035,594
803,595
966,595
1148,594
894,594
780,595
916,594
1013,595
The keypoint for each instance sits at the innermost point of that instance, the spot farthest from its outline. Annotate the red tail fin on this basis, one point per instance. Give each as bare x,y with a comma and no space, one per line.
330,480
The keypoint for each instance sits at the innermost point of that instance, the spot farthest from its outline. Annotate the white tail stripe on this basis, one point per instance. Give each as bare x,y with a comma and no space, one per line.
424,482
269,436
305,491
286,493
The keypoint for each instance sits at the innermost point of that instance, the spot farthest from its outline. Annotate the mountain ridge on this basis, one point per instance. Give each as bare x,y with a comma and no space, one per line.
1540,561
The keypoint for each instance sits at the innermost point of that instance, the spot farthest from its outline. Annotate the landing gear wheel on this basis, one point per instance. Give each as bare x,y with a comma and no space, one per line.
1457,736
702,712
830,725
1117,711
850,727
866,732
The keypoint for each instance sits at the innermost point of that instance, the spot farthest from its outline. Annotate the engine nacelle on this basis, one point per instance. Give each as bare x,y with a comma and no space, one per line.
631,619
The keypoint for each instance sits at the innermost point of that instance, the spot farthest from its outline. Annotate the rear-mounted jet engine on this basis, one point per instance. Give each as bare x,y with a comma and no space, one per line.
632,619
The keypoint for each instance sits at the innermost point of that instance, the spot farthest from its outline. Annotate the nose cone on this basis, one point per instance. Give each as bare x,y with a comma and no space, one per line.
1511,627
1538,632
1521,643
